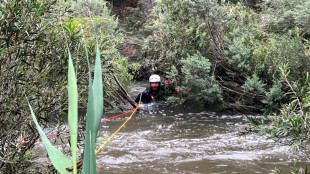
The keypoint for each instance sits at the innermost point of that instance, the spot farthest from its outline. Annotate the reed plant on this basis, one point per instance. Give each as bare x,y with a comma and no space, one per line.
94,113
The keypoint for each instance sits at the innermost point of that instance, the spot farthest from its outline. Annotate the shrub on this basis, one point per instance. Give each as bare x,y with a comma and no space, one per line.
175,34
30,59
276,50
240,53
293,123
284,15
195,80
273,98
33,57
253,84
238,43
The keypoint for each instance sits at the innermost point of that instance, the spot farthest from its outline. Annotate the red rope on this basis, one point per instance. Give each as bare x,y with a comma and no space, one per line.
56,133
102,120
110,118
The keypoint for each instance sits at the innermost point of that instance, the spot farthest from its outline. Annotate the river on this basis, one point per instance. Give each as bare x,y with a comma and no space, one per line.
164,139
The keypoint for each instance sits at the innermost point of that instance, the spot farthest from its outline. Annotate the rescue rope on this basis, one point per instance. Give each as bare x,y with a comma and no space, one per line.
80,126
106,142
52,134
110,118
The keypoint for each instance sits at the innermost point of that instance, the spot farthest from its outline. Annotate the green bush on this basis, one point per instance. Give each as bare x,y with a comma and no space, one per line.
293,123
269,55
243,48
253,84
35,37
181,28
273,98
240,53
282,16
175,34
30,60
195,80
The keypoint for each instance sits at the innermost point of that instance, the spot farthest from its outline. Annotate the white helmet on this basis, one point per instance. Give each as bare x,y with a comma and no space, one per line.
154,78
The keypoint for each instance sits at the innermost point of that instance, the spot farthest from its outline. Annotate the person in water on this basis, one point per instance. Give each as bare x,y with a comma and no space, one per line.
154,92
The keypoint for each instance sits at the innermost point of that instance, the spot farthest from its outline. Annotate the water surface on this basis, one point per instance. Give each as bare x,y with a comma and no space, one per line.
161,139
164,139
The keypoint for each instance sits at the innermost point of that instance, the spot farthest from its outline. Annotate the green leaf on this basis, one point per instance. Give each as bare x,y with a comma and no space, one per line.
98,91
59,160
89,159
73,111
94,114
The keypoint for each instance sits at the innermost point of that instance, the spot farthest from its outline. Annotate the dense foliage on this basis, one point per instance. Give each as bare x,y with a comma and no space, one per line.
244,55
245,48
218,52
35,38
294,124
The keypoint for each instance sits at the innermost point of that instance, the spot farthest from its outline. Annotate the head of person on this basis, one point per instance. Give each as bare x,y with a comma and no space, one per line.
154,82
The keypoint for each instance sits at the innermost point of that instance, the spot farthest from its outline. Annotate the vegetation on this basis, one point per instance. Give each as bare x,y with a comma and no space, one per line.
94,114
228,53
293,125
244,47
232,54
35,36
296,170
195,76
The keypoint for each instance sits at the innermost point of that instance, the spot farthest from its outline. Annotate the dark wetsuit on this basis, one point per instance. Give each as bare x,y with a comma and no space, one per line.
149,95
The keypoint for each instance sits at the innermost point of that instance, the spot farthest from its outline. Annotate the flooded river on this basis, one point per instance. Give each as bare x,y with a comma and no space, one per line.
166,140
163,139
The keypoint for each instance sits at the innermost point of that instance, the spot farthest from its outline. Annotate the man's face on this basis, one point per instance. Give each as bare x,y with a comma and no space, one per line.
154,85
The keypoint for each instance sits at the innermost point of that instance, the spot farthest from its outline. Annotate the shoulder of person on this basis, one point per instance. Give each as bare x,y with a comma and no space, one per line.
147,90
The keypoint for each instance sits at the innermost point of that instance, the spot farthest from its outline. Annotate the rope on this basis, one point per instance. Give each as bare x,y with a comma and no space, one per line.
52,134
106,142
102,120
110,118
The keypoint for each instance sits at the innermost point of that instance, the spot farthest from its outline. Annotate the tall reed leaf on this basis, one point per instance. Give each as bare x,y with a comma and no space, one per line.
59,160
89,155
73,111
89,159
94,113
98,90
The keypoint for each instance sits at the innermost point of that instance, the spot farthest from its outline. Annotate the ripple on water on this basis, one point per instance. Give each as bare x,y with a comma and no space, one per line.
183,140
163,140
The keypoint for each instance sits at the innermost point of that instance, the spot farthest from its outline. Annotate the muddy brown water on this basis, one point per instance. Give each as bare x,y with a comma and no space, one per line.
164,139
